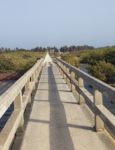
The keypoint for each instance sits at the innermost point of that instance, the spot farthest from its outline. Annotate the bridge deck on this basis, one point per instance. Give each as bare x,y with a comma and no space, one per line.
56,121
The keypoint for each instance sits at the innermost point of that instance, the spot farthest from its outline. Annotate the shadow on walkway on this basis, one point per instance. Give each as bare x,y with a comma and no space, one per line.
59,134
60,138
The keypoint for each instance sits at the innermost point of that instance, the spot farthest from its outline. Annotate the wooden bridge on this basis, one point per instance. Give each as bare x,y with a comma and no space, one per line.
52,113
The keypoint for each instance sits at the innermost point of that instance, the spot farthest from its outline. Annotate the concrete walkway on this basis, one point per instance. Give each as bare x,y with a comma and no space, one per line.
47,59
56,121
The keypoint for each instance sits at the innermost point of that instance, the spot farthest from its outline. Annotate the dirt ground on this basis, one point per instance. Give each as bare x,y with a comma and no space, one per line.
9,76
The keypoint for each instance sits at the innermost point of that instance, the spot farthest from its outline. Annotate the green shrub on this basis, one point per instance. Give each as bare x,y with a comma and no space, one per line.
55,54
71,59
102,70
18,62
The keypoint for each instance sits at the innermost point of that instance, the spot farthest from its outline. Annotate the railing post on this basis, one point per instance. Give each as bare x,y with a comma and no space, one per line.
29,104
33,77
61,65
67,79
36,73
27,88
38,69
33,80
64,69
58,66
81,84
72,86
98,100
36,78
18,104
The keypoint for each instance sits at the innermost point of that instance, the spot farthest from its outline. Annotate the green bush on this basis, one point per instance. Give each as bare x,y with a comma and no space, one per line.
100,62
79,53
55,54
6,65
102,70
94,56
84,57
71,59
18,62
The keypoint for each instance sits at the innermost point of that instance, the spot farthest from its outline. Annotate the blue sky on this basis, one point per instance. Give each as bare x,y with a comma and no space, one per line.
31,23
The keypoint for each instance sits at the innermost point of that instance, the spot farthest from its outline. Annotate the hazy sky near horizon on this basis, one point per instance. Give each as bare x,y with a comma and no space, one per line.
31,23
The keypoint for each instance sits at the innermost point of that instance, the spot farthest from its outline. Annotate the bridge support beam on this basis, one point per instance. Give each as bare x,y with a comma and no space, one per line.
98,100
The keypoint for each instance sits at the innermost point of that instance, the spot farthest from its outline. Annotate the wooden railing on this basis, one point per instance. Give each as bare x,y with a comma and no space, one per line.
101,113
15,123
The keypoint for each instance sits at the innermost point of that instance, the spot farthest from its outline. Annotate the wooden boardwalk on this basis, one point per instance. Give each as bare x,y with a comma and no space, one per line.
56,120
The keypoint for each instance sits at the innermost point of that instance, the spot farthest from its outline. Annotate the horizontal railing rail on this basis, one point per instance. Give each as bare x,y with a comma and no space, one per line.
101,113
15,124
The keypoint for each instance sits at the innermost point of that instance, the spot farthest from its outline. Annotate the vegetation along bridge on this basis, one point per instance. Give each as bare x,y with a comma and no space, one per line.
52,113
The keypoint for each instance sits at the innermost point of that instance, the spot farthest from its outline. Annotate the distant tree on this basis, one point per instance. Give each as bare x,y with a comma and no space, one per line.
17,48
8,50
2,48
1,51
48,48
40,49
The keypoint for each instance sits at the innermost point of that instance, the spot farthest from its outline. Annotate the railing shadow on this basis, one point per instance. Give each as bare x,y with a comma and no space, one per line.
59,134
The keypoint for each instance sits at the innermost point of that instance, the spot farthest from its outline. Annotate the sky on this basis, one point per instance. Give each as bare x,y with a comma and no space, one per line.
31,23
